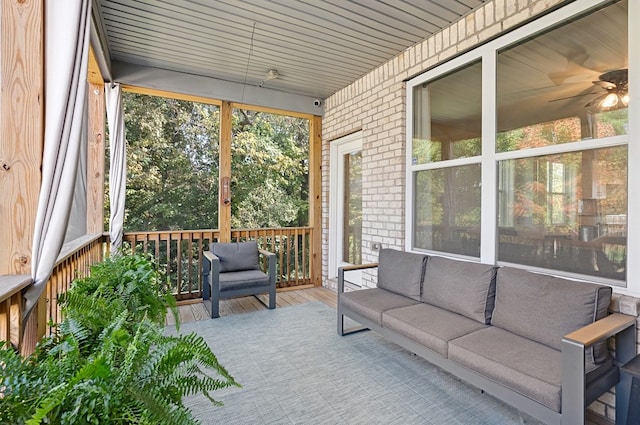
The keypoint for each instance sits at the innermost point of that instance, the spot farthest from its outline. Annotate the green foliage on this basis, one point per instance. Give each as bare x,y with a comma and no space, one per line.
110,362
173,163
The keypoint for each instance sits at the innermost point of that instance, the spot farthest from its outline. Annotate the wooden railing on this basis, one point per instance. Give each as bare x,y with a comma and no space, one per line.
75,261
11,303
179,254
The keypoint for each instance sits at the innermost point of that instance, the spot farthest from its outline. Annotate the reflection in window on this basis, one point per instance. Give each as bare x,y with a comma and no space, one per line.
352,224
447,116
553,88
565,212
447,211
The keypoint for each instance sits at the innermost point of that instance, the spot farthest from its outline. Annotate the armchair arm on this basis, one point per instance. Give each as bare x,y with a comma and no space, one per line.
343,269
210,269
573,367
271,271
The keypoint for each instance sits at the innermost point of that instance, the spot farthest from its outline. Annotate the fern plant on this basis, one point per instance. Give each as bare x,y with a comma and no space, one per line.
109,361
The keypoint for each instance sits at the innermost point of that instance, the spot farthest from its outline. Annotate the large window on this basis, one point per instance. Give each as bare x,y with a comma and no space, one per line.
525,161
446,148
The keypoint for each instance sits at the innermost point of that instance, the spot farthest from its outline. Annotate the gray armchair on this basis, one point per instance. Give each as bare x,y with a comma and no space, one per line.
233,270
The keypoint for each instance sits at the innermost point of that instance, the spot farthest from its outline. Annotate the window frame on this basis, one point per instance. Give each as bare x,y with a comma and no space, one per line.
489,159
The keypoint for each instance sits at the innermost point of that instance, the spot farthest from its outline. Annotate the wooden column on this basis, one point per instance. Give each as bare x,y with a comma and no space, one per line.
95,148
21,129
315,197
224,207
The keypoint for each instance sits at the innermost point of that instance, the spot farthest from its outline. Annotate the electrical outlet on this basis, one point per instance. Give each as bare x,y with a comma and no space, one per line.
375,246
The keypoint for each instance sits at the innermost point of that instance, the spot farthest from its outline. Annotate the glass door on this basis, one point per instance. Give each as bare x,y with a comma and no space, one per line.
346,206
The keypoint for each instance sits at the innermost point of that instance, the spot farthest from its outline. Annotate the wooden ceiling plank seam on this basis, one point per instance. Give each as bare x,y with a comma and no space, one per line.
365,16
432,19
341,25
279,14
323,51
418,20
275,19
134,42
370,49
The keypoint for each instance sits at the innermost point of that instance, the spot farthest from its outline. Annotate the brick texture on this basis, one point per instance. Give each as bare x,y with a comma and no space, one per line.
375,104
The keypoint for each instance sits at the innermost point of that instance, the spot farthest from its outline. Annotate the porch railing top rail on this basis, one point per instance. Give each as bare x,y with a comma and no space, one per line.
72,247
12,284
233,231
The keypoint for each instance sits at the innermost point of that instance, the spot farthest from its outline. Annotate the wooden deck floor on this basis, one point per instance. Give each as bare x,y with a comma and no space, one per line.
197,311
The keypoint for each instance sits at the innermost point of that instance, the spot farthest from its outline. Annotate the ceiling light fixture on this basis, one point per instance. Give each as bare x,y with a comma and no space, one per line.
272,74
617,91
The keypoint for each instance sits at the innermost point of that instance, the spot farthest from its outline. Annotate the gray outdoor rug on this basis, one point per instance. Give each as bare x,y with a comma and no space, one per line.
295,369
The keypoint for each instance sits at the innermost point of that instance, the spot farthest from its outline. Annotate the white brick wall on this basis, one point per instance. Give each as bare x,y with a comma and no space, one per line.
375,104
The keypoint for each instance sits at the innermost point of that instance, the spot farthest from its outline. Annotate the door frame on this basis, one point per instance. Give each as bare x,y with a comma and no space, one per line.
337,149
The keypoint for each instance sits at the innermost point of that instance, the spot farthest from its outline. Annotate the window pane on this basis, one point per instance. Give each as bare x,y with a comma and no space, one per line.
565,212
447,115
447,212
352,224
554,87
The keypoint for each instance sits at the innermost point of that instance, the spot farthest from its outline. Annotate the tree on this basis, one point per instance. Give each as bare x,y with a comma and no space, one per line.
173,166
172,157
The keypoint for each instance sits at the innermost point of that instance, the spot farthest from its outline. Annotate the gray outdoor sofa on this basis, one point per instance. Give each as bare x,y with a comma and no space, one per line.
535,341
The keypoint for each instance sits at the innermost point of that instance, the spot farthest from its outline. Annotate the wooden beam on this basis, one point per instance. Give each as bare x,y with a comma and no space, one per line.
315,198
21,129
224,207
95,158
94,76
170,95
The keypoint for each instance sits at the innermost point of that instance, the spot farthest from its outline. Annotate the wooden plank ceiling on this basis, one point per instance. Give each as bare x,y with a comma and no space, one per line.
317,46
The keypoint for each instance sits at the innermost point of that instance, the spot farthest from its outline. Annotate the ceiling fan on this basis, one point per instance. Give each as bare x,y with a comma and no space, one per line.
616,84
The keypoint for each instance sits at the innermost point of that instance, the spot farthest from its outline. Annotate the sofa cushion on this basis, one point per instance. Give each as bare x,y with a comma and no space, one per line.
428,325
459,286
236,256
525,366
401,272
546,308
371,303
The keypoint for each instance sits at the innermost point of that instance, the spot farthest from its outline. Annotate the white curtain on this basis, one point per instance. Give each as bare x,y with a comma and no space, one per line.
118,163
78,216
66,55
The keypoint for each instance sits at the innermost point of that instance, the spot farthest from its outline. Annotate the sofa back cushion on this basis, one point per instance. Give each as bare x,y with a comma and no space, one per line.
401,272
236,256
546,308
459,286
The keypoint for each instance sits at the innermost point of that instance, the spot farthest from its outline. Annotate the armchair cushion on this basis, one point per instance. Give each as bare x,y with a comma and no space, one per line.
243,279
236,256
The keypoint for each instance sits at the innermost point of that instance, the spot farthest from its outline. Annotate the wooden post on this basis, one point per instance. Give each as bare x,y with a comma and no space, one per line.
21,129
226,197
95,150
315,198
22,137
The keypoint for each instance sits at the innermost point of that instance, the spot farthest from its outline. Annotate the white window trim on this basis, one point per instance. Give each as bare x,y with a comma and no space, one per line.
350,141
487,53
